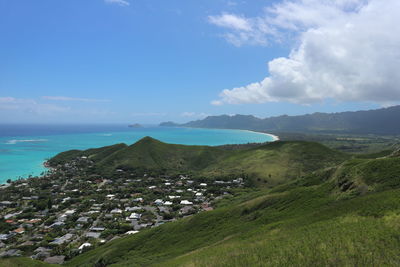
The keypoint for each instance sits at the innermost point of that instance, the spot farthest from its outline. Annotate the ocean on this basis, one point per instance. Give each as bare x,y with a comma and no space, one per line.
24,148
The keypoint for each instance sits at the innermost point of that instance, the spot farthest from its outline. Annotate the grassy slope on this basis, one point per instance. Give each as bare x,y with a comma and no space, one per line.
277,162
311,221
23,262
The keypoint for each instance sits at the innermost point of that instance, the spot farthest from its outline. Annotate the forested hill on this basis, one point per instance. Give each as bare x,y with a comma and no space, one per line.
379,121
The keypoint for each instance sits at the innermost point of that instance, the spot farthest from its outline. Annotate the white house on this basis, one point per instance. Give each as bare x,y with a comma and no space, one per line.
116,211
135,216
84,245
131,232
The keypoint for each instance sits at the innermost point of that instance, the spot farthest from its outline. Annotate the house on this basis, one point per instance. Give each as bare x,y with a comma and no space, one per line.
185,210
116,211
97,229
69,212
131,232
168,203
186,202
135,216
33,221
20,230
130,209
203,184
5,237
83,220
84,245
61,240
238,181
10,215
56,224
11,253
66,199
6,203
158,202
92,234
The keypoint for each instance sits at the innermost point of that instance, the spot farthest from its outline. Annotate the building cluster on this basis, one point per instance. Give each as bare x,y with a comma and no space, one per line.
72,209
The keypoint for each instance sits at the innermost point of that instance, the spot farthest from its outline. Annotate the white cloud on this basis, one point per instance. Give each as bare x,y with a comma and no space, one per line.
194,114
117,2
243,30
346,50
30,106
77,99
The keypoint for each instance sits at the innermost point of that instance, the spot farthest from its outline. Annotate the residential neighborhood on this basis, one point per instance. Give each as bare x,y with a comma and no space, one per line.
70,209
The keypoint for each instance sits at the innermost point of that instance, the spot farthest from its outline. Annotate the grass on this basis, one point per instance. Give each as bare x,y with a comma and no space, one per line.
306,224
267,165
343,215
23,262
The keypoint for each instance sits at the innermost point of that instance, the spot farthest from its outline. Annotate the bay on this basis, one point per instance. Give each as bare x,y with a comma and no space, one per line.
24,148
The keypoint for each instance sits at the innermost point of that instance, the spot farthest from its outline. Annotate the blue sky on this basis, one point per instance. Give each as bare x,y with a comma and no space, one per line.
149,61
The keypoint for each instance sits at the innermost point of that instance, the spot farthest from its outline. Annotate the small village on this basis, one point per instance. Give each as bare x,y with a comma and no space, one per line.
70,209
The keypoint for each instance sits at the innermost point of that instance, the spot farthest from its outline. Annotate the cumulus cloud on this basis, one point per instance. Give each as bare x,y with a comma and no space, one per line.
77,99
118,2
345,50
242,30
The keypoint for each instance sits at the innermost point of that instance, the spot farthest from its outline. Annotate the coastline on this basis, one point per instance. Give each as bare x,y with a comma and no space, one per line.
274,137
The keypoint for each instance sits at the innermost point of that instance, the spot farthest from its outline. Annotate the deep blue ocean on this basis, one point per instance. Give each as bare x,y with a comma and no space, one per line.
24,148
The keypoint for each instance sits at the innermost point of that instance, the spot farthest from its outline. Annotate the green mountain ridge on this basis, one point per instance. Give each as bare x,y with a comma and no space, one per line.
379,121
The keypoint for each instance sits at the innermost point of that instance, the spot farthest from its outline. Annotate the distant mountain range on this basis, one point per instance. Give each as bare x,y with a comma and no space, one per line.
379,121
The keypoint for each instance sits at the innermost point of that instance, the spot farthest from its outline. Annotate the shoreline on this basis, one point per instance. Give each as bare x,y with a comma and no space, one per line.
45,168
274,137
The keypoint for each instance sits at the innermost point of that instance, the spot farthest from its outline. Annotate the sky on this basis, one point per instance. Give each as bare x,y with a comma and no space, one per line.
149,61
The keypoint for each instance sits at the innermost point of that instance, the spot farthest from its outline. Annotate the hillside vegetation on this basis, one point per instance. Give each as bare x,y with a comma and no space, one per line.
268,164
342,215
348,215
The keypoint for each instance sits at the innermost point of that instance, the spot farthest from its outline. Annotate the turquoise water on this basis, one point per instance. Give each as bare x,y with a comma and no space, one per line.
22,154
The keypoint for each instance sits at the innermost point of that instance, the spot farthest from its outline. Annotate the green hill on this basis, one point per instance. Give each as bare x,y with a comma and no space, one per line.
267,164
344,215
